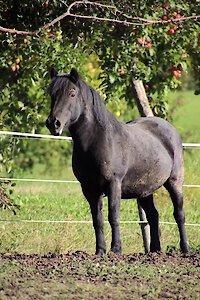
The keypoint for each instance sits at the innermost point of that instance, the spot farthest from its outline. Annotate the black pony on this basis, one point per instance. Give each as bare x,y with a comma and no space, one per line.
117,160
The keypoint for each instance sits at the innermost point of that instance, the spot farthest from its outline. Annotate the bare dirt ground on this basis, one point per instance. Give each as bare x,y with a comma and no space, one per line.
82,276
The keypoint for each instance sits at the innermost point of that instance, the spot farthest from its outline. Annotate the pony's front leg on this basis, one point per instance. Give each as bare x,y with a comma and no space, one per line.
114,197
96,205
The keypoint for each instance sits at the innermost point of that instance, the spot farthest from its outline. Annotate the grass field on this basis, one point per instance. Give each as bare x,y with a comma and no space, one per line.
67,203
186,115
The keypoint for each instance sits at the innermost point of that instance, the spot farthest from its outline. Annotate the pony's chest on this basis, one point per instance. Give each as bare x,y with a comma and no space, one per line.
91,167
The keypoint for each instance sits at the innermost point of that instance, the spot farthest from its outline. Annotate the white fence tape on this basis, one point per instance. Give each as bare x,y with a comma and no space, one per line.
90,221
67,181
35,135
38,180
191,145
47,136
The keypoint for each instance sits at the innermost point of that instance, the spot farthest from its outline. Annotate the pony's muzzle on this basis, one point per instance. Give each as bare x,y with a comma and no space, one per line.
54,126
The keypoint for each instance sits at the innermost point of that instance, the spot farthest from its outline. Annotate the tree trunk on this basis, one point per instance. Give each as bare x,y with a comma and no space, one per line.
145,111
141,98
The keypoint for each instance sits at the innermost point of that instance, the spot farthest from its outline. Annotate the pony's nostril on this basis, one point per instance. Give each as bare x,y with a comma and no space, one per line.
57,123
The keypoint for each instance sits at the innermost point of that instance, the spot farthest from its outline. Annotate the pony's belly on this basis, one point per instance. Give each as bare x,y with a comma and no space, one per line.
139,191
142,185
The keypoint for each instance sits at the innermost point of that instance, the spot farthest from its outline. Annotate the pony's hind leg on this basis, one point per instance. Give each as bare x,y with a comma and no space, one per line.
152,215
175,190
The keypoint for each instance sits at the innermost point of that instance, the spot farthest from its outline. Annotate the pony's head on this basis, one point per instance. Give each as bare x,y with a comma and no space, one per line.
65,101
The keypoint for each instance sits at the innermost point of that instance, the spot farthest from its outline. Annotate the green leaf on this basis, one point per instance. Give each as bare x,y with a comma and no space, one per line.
20,104
112,78
33,82
151,51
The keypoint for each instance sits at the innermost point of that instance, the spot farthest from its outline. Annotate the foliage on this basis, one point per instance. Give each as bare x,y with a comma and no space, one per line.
6,202
158,54
24,79
23,92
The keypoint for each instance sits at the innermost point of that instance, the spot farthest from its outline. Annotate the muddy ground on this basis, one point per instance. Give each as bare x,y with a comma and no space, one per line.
82,276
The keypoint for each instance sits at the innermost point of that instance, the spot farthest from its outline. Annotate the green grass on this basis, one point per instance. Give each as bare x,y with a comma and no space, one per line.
65,202
186,115
47,201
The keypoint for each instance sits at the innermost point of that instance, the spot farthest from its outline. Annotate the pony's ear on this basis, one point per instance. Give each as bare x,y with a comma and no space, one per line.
74,75
53,73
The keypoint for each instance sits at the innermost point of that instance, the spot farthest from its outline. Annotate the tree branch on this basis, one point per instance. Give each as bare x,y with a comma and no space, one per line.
14,31
132,21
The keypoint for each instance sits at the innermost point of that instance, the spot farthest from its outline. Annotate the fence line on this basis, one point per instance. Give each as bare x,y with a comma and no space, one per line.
38,180
90,221
191,145
67,181
35,135
47,136
192,185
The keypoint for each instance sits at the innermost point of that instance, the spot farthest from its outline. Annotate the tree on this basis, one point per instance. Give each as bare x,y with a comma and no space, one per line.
151,40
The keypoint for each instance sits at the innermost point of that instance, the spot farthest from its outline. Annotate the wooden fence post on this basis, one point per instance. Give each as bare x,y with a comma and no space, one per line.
144,228
141,98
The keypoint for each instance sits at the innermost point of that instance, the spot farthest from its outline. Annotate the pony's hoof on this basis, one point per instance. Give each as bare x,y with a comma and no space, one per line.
115,250
155,248
184,247
100,252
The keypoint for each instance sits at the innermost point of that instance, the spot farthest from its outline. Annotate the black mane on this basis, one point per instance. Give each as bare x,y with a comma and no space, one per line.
59,85
100,111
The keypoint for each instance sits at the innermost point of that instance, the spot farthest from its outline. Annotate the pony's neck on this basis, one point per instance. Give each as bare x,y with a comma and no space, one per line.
101,115
94,121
